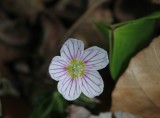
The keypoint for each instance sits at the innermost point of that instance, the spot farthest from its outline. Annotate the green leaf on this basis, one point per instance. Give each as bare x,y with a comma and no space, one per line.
59,102
41,106
126,39
155,15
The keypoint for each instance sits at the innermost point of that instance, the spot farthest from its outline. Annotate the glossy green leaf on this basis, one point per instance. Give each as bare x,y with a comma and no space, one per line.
126,39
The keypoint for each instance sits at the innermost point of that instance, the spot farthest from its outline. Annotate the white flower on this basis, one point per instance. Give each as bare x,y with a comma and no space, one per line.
76,69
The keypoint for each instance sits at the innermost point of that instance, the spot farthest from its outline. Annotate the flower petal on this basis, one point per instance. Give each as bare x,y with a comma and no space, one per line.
57,68
95,58
72,49
69,88
92,84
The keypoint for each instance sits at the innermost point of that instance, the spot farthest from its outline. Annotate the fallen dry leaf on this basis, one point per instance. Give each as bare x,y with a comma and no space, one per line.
119,114
78,112
138,89
81,112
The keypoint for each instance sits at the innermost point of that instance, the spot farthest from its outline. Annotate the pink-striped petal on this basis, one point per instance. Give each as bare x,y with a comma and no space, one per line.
69,88
72,49
95,58
57,68
92,84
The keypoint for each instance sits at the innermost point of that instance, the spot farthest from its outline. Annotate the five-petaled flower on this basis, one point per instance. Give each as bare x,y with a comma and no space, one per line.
76,69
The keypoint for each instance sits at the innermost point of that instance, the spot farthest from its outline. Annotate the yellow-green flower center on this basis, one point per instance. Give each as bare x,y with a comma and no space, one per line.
76,68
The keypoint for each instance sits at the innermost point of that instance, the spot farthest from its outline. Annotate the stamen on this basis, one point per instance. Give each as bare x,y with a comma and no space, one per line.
76,68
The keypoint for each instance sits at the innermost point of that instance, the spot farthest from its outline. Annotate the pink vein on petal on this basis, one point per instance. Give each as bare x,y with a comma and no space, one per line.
58,72
97,59
61,75
70,89
65,86
88,54
73,49
91,85
86,86
69,51
95,63
92,56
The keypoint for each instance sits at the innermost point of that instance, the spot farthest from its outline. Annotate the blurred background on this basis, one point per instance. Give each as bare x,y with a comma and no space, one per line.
32,33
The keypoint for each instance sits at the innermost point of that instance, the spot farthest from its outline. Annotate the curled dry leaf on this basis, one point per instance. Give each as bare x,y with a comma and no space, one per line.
138,89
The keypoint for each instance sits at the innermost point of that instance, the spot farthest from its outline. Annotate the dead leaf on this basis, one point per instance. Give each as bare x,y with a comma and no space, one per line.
78,112
81,112
138,89
115,115
103,115
124,115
